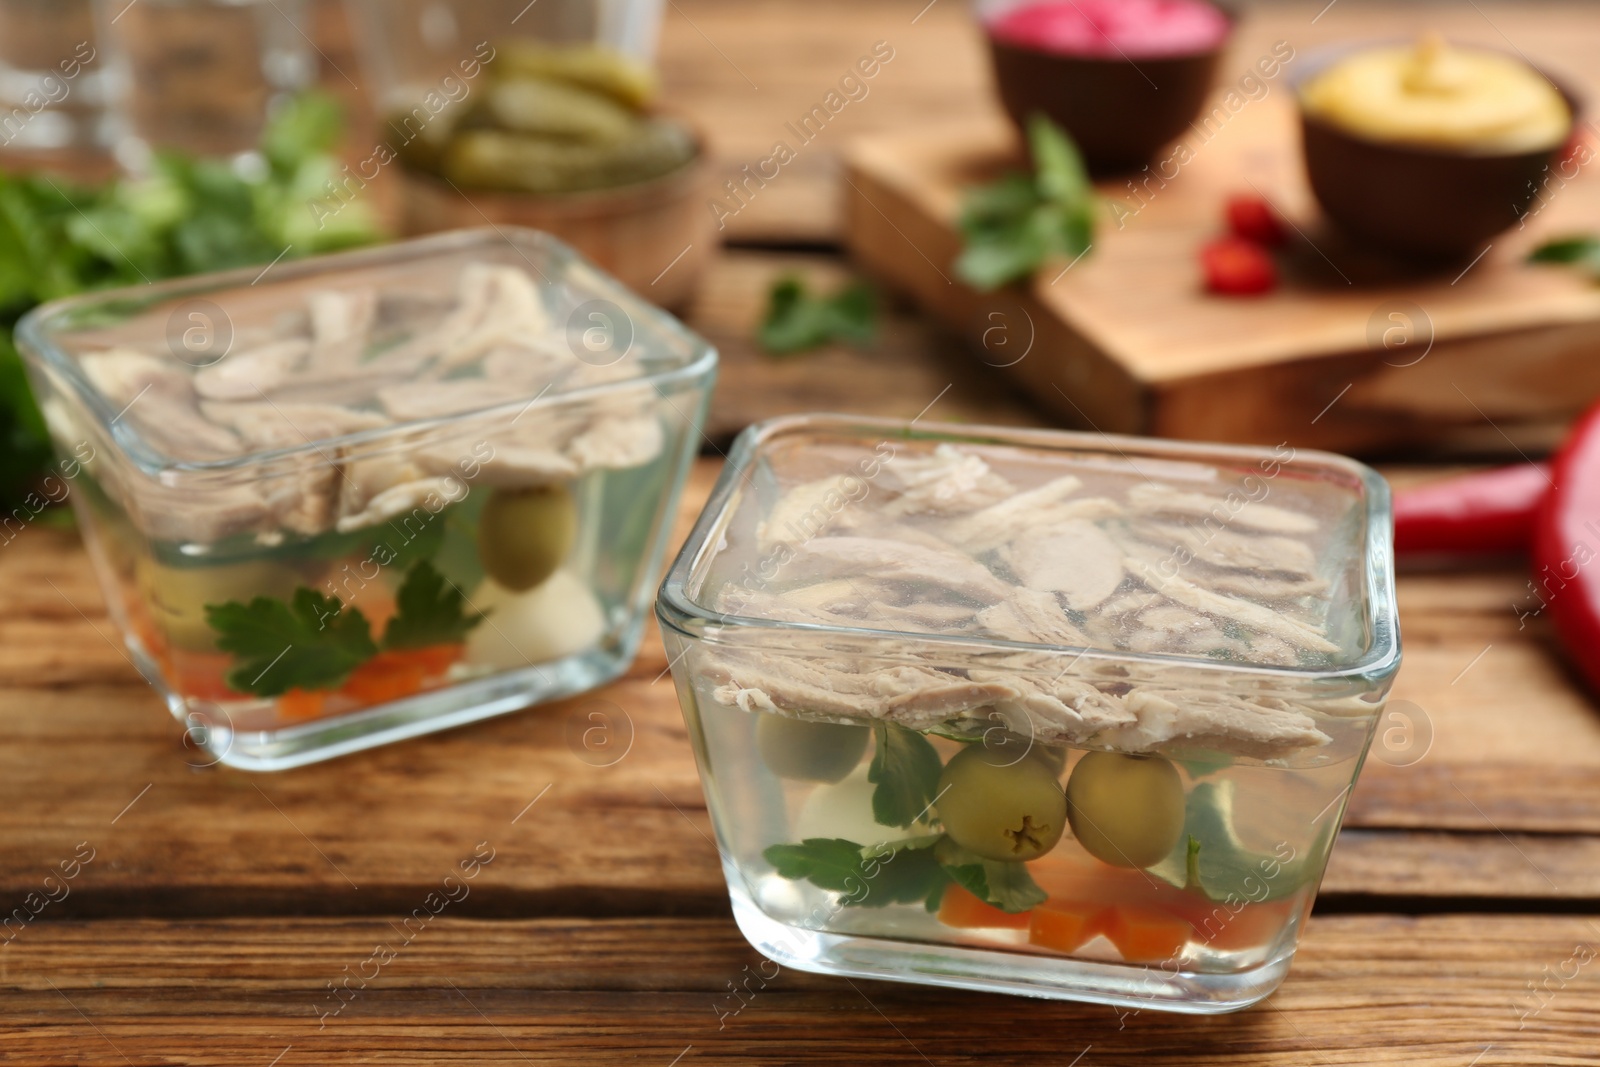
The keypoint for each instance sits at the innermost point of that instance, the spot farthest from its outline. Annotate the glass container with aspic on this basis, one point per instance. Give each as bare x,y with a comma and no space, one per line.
1058,714
365,496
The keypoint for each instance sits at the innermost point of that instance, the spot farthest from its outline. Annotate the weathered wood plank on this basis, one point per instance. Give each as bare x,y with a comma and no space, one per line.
1363,990
1128,341
745,71
1405,869
912,366
793,54
1515,749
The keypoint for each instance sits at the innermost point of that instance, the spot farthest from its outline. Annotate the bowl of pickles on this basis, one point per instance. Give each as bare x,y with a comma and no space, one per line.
367,496
565,138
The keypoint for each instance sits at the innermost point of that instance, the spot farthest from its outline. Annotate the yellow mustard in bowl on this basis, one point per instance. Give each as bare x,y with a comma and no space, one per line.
1465,99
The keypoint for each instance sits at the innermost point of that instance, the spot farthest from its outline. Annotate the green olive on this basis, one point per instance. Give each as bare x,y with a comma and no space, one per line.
177,596
1001,807
810,751
1125,810
524,534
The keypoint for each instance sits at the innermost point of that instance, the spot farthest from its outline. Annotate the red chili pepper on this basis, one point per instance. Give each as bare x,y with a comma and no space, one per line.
1486,513
1566,542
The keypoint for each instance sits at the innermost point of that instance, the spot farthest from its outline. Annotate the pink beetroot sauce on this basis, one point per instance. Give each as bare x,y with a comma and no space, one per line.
1113,28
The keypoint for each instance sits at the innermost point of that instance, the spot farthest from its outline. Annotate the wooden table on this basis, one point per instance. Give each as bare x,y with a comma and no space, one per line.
1458,924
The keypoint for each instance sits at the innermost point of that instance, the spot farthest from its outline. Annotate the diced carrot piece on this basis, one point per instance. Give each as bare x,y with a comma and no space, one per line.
302,703
436,659
1061,926
961,909
201,675
1147,935
396,674
386,676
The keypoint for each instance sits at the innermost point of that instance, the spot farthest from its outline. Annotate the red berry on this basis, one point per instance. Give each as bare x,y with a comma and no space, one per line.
1252,218
1576,150
1236,267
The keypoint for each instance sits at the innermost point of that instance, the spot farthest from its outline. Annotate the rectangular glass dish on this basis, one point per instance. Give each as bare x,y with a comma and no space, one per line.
1058,714
361,497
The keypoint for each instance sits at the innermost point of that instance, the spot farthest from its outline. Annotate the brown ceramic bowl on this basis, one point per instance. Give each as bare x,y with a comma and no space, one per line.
657,236
1416,202
1119,111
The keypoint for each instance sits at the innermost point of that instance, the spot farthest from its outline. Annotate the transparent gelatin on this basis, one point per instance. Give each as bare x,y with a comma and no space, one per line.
390,492
1031,712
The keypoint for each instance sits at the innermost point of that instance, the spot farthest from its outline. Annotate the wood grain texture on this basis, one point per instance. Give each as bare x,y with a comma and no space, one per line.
81,738
745,71
1126,340
599,933
912,366
1363,990
1427,870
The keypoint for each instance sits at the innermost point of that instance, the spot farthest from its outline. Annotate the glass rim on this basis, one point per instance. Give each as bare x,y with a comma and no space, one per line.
36,332
677,609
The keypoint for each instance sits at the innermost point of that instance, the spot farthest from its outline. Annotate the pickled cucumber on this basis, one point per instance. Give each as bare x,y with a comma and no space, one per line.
524,534
550,120
550,109
492,159
624,80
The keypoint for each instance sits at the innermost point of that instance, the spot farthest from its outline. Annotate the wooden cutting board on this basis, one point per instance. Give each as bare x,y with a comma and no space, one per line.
1348,354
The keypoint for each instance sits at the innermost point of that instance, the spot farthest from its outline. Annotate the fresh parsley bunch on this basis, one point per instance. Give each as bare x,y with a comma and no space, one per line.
1014,225
187,216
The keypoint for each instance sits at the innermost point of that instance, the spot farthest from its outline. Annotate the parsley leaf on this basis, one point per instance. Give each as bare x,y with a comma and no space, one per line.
826,862
894,872
428,611
905,768
1582,250
904,872
1006,884
797,320
1213,862
1015,224
312,642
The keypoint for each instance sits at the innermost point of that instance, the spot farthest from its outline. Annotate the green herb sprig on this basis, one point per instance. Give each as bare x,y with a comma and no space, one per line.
797,320
1016,224
310,642
313,641
428,611
187,216
1579,250
904,772
1225,870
